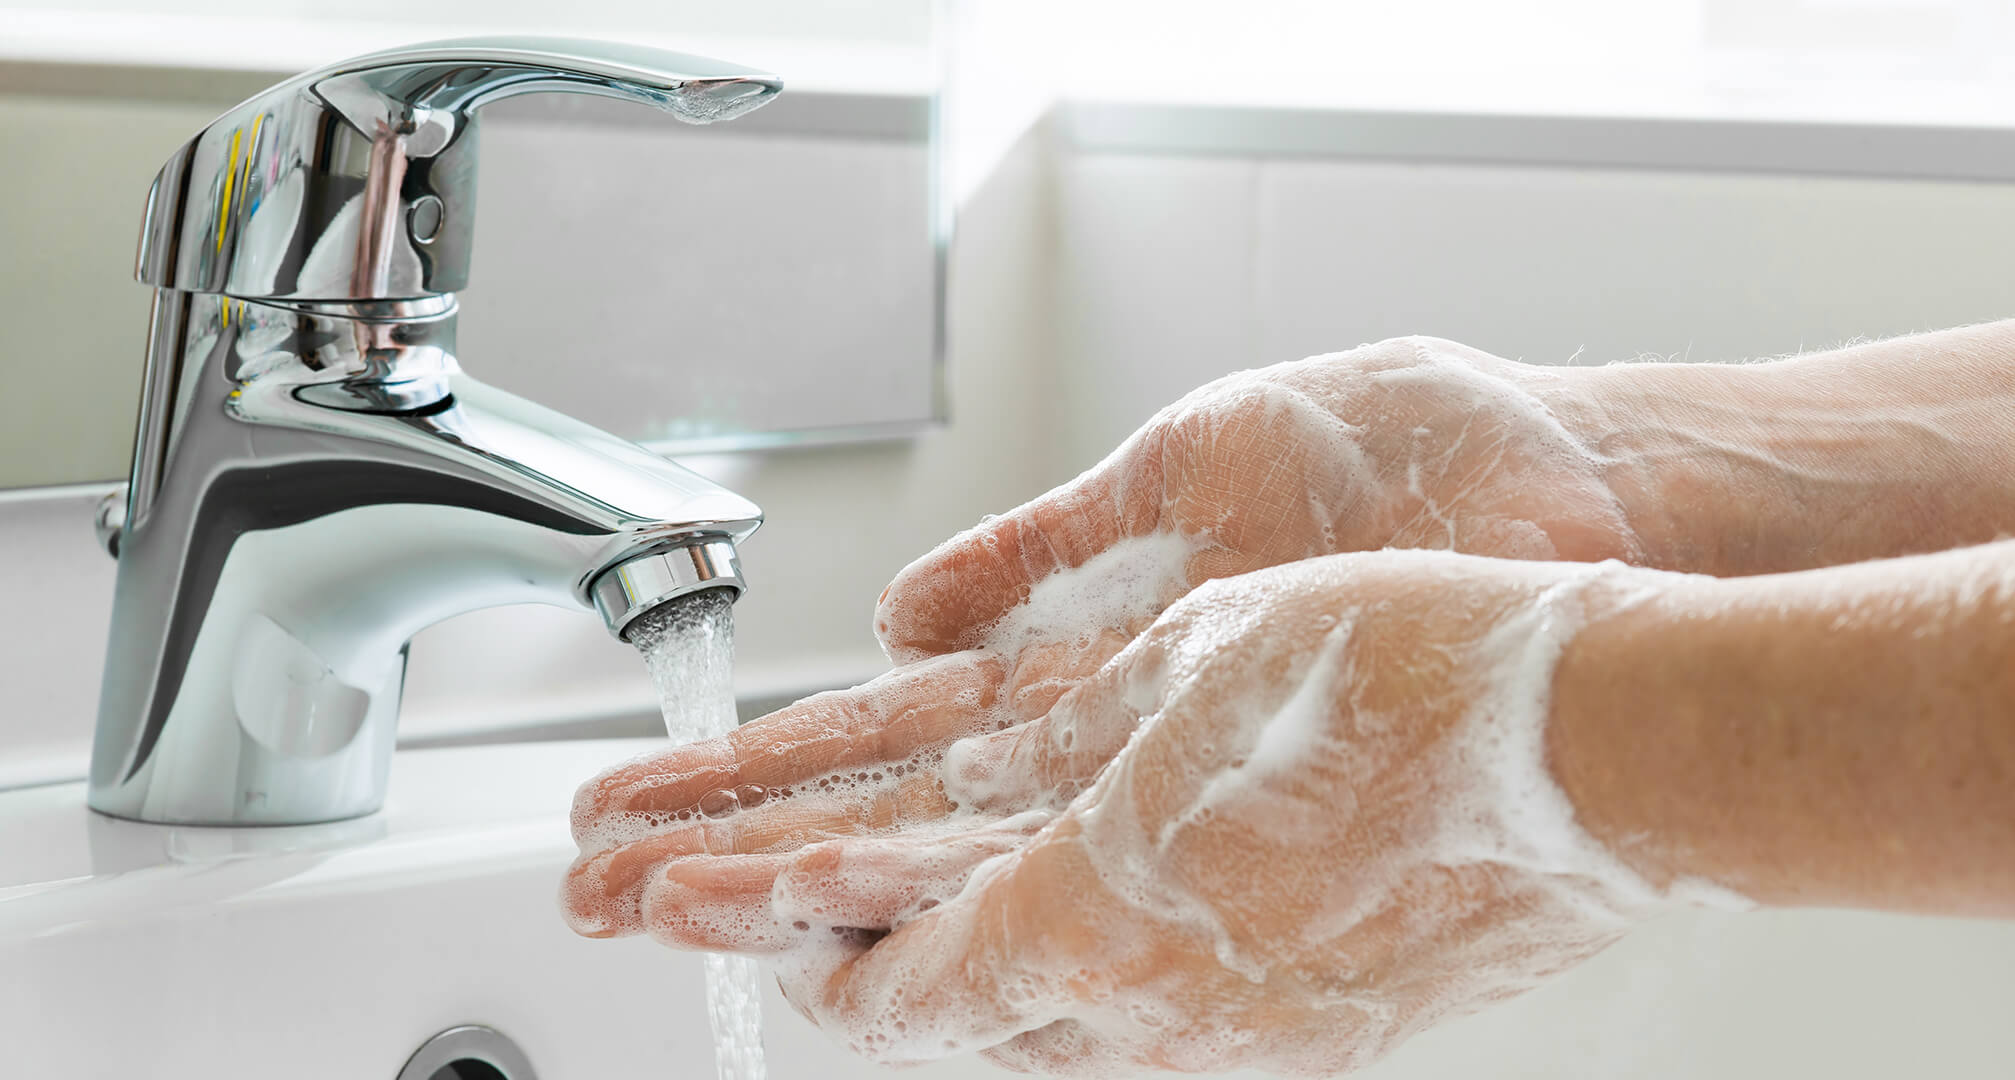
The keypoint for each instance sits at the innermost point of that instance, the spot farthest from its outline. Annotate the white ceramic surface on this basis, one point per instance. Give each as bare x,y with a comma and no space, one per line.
333,951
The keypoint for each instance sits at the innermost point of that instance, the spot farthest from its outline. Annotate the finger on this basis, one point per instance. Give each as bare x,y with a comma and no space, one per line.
1066,1048
884,721
950,598
881,882
1002,958
737,903
1049,760
603,892
1044,671
717,903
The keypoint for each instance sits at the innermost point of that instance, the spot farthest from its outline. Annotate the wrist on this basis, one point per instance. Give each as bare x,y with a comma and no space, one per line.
1682,462
1893,448
1620,744
1836,737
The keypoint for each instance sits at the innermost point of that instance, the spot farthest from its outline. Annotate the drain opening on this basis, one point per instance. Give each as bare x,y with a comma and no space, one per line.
468,1052
468,1069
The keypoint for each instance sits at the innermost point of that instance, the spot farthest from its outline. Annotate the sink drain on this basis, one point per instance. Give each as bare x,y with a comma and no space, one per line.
469,1052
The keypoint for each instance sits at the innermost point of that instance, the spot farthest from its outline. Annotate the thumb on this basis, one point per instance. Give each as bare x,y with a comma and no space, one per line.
948,599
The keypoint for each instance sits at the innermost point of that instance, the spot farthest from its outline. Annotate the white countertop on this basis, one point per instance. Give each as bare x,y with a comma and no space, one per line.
56,854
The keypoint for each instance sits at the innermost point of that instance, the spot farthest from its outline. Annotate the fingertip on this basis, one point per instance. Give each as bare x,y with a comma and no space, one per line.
593,798
587,905
948,599
582,812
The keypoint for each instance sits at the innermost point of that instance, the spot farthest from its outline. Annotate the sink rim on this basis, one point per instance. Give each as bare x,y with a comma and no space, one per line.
451,810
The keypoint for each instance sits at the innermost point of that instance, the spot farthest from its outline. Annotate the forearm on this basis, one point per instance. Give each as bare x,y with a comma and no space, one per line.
1889,448
1840,737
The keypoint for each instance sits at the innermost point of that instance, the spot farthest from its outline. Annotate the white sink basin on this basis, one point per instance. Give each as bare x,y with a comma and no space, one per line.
131,950
139,951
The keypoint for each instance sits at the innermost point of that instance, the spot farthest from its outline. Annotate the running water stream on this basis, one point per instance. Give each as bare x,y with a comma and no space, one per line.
689,646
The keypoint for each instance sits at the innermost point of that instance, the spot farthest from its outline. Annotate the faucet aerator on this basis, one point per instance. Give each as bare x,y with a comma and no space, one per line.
636,585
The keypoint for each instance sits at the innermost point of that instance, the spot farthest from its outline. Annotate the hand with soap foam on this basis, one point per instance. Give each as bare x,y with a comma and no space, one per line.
1328,824
1360,794
1413,442
893,805
1302,815
1861,453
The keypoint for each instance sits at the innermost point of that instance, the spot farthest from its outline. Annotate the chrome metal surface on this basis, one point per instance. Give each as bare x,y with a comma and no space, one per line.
312,190
315,479
109,518
469,1042
631,588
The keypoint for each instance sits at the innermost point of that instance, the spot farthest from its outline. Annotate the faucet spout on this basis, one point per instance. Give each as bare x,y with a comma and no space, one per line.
328,482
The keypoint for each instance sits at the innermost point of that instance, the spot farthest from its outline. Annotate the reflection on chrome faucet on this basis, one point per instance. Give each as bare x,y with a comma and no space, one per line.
315,479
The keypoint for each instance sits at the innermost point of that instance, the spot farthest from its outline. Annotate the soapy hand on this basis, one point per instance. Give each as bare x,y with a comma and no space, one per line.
1413,442
1107,816
1410,443
1329,827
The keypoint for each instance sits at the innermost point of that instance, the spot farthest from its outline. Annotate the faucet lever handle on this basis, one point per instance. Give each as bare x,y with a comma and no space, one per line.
356,182
414,84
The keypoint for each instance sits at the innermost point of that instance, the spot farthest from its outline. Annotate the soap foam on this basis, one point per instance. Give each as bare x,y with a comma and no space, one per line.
1124,586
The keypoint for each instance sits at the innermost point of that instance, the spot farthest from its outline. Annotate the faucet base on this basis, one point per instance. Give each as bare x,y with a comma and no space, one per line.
292,744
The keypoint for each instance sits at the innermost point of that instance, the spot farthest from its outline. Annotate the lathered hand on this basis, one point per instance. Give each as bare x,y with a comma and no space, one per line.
1332,826
1413,442
1310,796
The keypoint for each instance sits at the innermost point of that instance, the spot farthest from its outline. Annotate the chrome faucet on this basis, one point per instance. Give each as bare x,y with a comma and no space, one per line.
315,479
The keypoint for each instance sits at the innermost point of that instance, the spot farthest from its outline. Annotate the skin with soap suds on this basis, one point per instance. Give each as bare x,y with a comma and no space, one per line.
1179,769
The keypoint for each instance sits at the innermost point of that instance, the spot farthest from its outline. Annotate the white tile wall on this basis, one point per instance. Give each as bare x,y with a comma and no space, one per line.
1157,259
1542,263
1179,269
